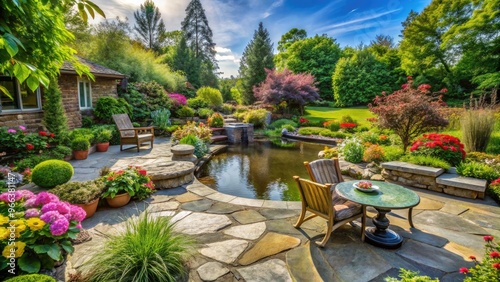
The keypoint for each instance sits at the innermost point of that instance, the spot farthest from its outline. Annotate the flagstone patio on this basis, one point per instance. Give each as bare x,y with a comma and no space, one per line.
254,240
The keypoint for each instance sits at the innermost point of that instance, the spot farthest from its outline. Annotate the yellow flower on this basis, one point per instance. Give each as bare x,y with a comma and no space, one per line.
18,248
35,223
4,233
20,226
3,219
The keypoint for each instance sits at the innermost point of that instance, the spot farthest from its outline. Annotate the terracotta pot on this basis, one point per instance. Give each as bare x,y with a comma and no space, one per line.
81,155
89,208
119,200
102,147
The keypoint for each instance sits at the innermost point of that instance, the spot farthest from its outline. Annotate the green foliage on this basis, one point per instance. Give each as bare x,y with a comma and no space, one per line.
201,131
310,130
60,151
107,106
79,192
359,79
204,112
410,276
103,136
494,144
332,125
200,147
197,103
148,250
80,144
352,150
487,269
323,113
278,124
426,160
184,112
216,120
161,118
131,180
211,95
392,153
256,117
477,127
146,97
31,161
374,153
51,173
54,117
31,278
316,55
477,170
227,109
115,134
333,134
87,122
150,26
257,57
330,152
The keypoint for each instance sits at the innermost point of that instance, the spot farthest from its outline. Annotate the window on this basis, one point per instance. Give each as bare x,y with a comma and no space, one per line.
84,94
19,97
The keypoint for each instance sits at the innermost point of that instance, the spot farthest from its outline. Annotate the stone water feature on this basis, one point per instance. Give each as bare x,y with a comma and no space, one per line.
238,133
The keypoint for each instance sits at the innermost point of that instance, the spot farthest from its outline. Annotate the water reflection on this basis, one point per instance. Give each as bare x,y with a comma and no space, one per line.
261,170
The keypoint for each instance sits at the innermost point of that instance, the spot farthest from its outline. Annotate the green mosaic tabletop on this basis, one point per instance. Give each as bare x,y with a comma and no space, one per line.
388,196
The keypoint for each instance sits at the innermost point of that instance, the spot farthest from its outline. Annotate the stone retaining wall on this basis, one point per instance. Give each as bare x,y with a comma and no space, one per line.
411,179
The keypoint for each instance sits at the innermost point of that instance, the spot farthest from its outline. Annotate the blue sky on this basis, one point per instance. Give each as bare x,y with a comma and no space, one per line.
233,22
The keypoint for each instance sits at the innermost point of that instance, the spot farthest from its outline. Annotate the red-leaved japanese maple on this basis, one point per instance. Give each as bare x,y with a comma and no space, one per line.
294,89
409,112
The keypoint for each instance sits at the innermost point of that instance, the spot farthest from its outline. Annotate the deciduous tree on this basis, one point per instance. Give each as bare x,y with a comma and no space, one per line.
257,57
294,89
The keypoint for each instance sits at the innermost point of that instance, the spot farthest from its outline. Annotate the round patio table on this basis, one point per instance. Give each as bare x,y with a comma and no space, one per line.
387,197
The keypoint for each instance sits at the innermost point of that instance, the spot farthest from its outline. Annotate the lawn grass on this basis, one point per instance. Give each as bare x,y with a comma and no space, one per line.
360,114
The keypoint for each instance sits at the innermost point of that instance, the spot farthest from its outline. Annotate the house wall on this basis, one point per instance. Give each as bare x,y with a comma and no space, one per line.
69,87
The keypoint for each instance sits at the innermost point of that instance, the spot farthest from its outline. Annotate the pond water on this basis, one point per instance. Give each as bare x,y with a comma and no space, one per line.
261,170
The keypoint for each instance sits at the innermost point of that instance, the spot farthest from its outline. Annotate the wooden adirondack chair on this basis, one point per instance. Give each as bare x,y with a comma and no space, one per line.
133,135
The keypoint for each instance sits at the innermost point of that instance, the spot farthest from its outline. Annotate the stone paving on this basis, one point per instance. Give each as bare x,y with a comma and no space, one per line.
254,240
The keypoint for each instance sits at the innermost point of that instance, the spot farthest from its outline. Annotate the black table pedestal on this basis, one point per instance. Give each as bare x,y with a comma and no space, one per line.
381,235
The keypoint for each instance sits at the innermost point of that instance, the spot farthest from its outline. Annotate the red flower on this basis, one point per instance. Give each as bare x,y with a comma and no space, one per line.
348,125
51,135
444,90
150,185
494,255
404,86
142,172
488,238
409,77
464,270
42,133
303,120
472,257
30,147
496,265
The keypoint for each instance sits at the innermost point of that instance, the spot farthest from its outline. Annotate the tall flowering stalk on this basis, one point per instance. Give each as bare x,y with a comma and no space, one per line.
489,268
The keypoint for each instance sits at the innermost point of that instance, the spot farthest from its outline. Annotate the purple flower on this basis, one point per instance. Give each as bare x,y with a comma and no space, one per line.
30,203
79,226
77,213
51,216
22,127
44,198
59,227
11,130
49,207
31,213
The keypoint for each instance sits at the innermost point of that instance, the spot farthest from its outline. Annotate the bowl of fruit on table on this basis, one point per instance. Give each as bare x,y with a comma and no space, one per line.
365,186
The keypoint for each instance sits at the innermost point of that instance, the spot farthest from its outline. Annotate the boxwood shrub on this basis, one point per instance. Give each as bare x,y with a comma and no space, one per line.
51,173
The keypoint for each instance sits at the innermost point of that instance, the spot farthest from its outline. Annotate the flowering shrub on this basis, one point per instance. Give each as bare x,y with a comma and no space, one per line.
35,230
332,125
178,99
200,130
303,121
489,268
18,140
373,153
445,147
216,120
348,126
132,180
494,189
352,150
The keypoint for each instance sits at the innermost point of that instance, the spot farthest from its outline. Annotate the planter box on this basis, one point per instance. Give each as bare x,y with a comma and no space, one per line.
434,179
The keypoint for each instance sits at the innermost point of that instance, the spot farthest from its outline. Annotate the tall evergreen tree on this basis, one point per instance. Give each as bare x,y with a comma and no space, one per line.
150,26
197,31
185,61
257,57
54,117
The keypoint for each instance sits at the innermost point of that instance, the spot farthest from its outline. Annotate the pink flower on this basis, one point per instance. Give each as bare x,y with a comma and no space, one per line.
11,130
488,238
51,216
22,127
44,198
444,90
77,213
31,213
464,270
24,194
60,207
30,203
79,226
59,226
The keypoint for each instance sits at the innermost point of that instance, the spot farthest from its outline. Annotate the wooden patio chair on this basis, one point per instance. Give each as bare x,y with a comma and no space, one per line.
133,135
317,199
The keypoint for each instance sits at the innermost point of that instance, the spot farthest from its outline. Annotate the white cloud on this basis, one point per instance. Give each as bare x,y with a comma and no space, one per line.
222,50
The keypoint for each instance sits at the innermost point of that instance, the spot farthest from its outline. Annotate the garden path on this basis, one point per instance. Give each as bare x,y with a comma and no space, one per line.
254,240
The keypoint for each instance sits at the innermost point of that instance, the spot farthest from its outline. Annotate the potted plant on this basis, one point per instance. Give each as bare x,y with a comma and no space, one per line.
102,140
80,146
83,194
122,185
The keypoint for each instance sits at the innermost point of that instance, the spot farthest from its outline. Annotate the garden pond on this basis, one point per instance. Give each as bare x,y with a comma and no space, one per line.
261,170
